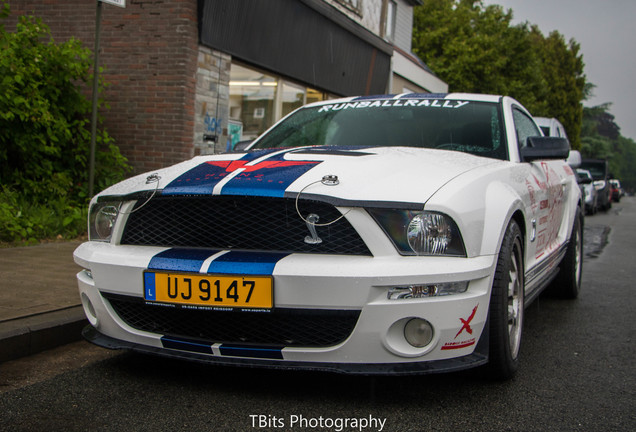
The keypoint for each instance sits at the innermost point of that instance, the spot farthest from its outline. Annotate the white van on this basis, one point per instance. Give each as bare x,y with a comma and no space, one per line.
551,127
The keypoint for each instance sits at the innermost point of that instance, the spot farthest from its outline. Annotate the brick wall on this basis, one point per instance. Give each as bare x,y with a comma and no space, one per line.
149,54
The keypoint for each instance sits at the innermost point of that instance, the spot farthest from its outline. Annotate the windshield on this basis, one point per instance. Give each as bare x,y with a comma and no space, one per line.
597,169
583,174
471,127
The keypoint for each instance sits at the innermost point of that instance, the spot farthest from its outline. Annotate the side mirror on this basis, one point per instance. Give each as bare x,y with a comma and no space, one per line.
574,159
541,147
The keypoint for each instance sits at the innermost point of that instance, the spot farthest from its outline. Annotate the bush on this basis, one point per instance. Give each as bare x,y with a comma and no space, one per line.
45,133
25,222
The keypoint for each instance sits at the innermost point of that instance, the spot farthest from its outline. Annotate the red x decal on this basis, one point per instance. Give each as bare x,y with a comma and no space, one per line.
231,166
466,323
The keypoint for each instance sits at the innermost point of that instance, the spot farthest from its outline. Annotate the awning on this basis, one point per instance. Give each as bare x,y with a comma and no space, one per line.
305,40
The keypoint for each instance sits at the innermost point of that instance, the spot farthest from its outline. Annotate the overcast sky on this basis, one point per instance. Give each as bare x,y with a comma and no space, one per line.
606,31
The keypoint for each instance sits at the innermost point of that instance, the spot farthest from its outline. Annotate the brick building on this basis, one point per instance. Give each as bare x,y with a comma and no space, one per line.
195,76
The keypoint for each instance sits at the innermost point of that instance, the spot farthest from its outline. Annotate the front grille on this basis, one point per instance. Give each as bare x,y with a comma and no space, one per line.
244,223
281,327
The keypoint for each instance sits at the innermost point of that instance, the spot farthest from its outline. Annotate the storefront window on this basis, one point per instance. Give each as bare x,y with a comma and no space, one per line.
258,100
293,97
315,96
252,96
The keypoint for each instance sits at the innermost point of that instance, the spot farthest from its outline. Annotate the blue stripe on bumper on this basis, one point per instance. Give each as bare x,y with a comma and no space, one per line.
232,262
185,345
182,344
185,260
247,263
274,353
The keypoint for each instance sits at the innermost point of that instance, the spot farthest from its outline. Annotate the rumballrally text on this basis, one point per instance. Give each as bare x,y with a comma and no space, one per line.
298,421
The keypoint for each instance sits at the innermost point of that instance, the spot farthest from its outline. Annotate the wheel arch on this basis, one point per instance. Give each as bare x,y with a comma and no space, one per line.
518,217
502,205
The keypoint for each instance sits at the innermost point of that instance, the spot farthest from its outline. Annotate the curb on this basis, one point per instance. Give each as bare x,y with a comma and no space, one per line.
26,336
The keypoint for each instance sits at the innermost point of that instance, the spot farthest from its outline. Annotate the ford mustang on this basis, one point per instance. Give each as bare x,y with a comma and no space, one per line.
375,235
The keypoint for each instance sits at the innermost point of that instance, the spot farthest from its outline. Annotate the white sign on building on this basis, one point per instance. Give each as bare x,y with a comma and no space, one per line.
120,3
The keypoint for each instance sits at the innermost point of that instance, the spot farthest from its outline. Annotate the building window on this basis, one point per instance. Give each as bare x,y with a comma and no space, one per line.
389,21
352,5
293,97
259,99
316,96
252,97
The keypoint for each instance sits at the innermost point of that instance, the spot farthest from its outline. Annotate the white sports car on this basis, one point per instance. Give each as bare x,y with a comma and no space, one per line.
375,235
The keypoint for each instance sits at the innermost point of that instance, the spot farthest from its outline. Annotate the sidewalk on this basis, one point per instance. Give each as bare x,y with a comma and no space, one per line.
40,306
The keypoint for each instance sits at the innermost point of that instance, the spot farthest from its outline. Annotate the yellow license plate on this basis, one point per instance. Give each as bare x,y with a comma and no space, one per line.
209,290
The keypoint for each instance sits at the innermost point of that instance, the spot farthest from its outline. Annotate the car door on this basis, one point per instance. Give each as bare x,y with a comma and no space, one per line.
547,187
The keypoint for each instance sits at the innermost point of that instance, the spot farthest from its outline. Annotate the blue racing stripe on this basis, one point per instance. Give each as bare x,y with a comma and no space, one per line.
372,97
202,179
184,260
246,263
252,352
269,177
424,96
186,345
232,262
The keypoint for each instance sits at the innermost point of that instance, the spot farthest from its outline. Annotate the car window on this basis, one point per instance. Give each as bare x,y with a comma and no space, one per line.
596,168
524,126
464,126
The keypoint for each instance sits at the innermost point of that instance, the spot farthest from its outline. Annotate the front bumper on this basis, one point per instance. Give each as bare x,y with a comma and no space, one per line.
375,345
477,358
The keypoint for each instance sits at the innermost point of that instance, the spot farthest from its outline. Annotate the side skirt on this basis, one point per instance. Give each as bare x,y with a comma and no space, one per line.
538,278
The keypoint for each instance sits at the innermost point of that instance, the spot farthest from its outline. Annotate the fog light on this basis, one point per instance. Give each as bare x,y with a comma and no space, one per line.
89,310
418,332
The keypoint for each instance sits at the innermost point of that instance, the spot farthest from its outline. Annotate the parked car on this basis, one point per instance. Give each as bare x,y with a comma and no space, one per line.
376,235
551,127
616,190
586,182
599,168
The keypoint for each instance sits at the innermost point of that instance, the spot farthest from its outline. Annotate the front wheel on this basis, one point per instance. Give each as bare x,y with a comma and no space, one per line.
507,306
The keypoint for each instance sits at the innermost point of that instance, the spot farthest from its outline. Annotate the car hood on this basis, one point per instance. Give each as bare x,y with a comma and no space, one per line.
344,176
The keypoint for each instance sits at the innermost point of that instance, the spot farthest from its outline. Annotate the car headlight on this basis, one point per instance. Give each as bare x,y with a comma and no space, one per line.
101,221
426,290
420,232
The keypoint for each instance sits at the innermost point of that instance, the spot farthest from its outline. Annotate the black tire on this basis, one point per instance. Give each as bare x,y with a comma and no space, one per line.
507,307
567,284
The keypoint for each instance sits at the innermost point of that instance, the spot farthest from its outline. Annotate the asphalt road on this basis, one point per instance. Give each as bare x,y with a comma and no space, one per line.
577,374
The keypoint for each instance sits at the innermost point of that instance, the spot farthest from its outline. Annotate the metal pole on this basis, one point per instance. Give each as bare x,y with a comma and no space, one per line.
91,162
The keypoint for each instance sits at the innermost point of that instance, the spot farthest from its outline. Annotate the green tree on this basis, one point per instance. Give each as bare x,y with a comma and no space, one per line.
565,86
475,48
472,48
601,139
625,162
